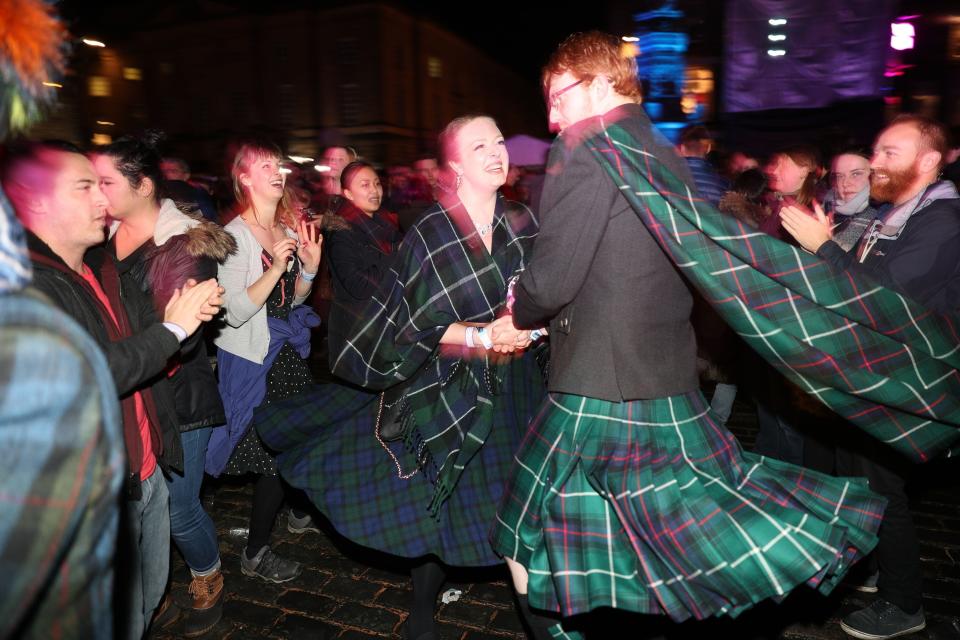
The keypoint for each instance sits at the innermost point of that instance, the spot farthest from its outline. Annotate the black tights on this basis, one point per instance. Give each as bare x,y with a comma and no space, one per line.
427,580
267,498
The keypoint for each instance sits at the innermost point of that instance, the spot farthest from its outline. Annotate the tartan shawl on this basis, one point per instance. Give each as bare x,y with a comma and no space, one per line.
442,274
870,354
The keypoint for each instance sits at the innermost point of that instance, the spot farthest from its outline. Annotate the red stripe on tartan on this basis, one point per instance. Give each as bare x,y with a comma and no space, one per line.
520,501
789,272
639,457
819,496
923,455
710,516
774,303
40,570
736,280
863,354
36,501
566,549
864,307
783,502
906,326
953,330
746,242
578,533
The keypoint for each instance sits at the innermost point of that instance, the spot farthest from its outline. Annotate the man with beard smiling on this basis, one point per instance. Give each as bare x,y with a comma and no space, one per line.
913,247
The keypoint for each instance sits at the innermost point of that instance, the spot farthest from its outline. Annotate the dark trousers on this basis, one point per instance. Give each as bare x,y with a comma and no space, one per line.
898,553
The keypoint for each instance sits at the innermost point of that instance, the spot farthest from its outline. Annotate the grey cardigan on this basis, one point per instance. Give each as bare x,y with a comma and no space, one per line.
246,333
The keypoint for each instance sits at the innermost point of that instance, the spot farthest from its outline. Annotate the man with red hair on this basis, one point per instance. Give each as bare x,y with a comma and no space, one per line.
627,492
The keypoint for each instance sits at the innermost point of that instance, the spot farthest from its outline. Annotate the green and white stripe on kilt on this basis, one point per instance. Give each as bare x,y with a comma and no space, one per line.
651,506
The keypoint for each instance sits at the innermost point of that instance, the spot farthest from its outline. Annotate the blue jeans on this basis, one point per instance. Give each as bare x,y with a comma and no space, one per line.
190,526
145,559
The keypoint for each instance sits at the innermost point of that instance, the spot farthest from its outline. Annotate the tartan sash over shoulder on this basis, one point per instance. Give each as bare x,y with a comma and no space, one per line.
871,355
442,275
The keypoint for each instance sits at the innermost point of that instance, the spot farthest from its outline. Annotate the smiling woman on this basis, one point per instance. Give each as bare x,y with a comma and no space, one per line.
455,371
262,347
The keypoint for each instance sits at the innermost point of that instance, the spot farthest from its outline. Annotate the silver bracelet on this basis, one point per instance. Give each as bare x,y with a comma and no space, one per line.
469,337
306,276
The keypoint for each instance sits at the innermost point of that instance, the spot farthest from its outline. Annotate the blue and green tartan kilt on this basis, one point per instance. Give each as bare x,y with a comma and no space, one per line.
651,506
328,448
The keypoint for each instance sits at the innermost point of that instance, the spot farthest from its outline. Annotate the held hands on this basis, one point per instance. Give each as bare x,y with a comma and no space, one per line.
507,338
193,304
811,231
309,246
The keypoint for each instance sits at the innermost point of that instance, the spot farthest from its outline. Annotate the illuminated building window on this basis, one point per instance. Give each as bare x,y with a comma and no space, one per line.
101,139
434,67
902,35
98,86
132,73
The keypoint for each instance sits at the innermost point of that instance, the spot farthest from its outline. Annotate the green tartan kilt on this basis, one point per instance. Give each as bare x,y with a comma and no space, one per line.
651,506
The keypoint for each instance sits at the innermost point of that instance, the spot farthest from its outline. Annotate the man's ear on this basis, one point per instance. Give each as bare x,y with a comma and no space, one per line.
600,85
929,160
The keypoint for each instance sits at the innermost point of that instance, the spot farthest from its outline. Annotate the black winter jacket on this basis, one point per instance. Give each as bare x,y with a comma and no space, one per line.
923,263
136,362
159,270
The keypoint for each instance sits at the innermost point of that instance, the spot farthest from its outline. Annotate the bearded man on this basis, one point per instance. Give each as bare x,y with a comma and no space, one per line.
913,247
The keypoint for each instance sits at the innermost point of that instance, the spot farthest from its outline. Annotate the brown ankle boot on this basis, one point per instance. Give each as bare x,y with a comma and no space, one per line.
207,607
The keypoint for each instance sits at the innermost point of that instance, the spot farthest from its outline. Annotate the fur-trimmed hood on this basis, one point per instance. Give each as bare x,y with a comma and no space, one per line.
737,205
204,238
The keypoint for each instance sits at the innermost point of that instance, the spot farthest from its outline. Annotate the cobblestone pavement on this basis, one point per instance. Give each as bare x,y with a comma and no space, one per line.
348,592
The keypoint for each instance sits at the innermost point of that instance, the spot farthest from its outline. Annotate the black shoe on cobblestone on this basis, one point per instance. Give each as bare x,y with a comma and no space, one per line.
882,620
269,566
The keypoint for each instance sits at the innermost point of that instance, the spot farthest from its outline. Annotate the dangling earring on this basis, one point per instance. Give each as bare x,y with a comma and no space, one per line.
456,186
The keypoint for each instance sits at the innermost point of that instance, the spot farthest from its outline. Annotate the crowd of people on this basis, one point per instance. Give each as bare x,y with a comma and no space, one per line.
516,377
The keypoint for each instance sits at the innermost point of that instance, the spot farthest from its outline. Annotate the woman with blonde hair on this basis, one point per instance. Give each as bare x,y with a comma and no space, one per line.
462,387
265,339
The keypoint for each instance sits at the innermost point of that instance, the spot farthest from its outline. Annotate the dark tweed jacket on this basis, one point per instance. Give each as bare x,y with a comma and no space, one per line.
619,312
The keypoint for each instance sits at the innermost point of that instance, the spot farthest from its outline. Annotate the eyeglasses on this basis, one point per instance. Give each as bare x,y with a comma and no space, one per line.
555,99
856,174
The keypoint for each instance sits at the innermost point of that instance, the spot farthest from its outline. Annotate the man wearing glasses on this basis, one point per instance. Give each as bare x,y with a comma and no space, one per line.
913,248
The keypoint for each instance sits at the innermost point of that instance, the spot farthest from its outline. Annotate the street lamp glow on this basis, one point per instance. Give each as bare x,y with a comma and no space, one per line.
776,53
93,43
777,22
776,37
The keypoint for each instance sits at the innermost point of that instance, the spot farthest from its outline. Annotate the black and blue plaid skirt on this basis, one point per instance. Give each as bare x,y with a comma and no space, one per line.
328,448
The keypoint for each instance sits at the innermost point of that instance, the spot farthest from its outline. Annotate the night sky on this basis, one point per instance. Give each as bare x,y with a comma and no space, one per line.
520,35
